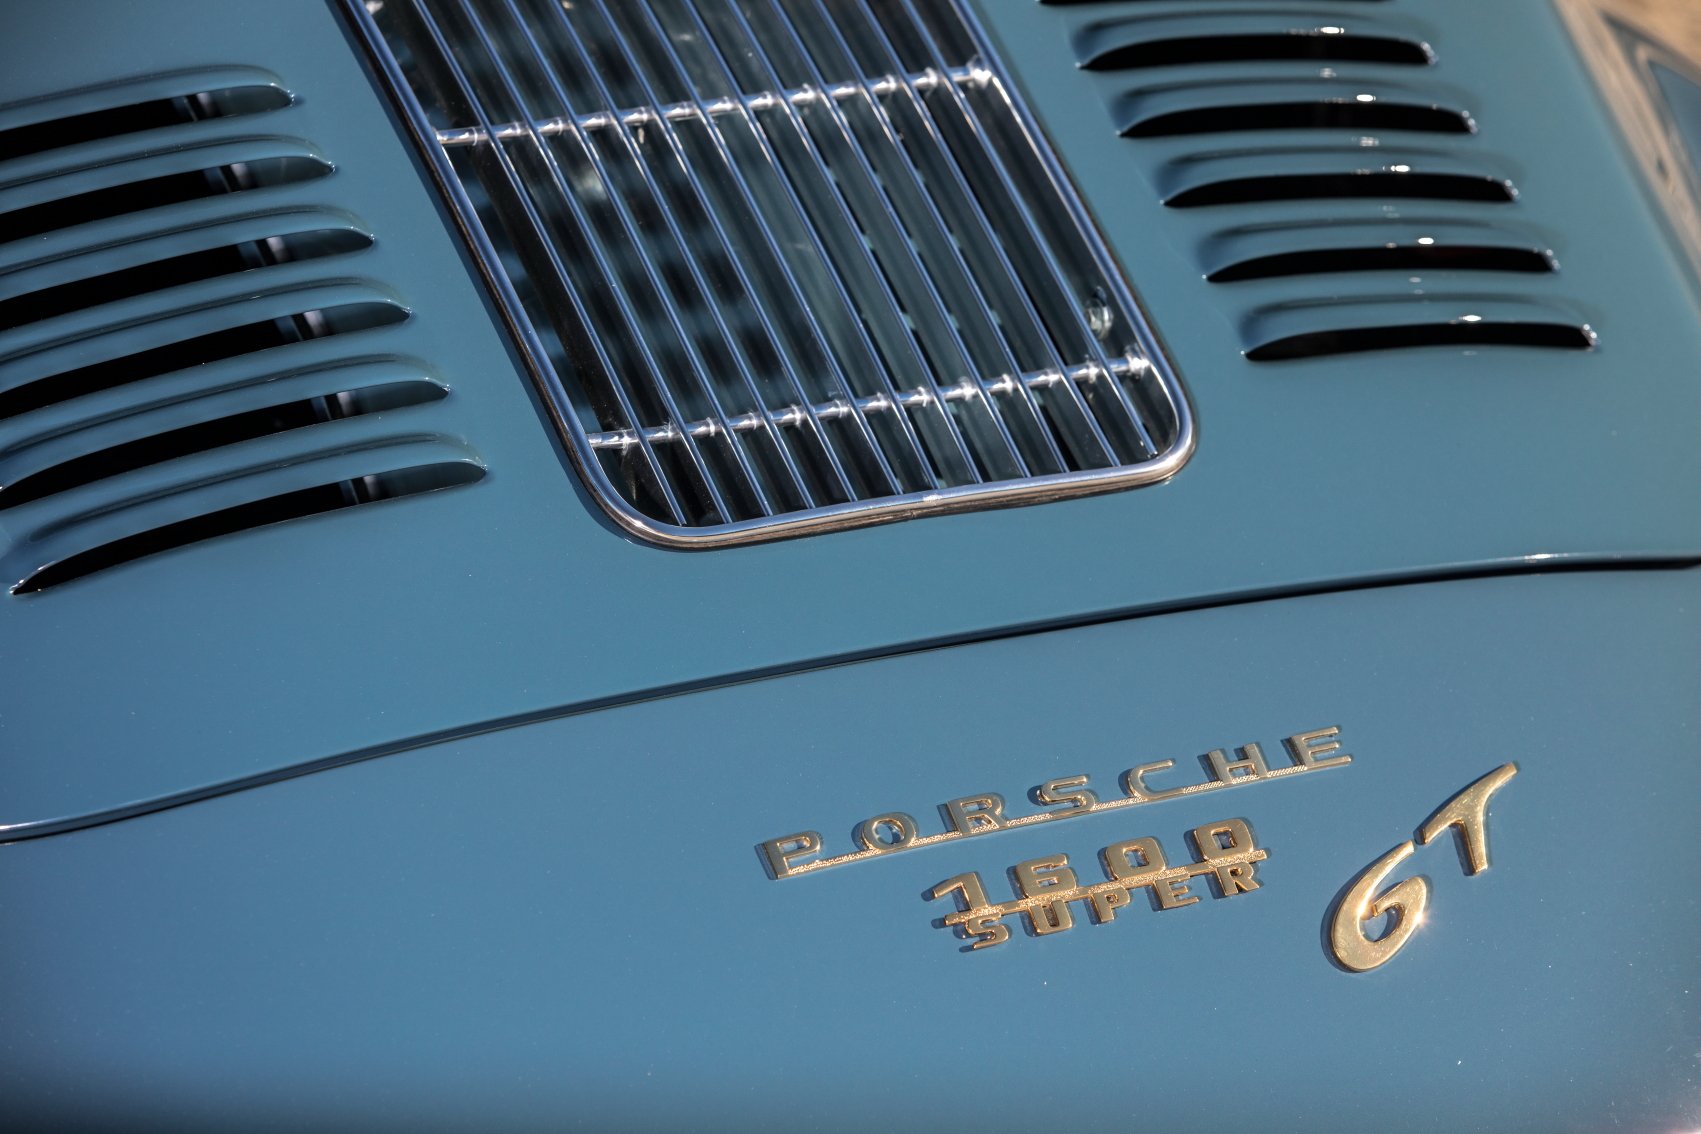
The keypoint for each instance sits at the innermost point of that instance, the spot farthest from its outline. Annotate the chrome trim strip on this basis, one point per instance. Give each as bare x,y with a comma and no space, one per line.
693,111
793,416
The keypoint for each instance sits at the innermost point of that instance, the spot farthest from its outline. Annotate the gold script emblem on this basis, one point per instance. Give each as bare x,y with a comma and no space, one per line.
1224,852
1365,900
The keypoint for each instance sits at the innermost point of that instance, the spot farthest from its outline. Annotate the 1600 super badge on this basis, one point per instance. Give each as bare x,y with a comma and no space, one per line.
1225,853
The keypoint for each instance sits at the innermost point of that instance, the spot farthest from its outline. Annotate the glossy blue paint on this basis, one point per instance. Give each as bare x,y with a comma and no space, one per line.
566,926
278,647
558,918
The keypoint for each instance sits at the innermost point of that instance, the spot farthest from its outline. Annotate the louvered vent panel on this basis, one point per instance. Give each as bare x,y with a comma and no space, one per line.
1315,143
187,345
789,264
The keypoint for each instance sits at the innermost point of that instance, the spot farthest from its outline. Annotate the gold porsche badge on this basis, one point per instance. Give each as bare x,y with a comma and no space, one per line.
1069,797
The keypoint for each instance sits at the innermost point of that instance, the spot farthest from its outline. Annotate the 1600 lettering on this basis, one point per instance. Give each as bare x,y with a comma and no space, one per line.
1224,852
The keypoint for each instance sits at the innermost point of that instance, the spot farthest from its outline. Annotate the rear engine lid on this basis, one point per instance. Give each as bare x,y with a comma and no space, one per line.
449,571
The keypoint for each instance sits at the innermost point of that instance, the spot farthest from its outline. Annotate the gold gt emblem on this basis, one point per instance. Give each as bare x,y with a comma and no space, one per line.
1466,813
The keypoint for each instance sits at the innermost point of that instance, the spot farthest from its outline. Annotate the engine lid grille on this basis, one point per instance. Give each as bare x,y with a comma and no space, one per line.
785,265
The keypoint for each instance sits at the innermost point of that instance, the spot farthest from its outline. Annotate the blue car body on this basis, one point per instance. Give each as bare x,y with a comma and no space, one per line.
472,809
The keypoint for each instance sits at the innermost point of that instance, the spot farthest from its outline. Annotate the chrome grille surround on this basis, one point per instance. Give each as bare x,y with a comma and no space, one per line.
783,266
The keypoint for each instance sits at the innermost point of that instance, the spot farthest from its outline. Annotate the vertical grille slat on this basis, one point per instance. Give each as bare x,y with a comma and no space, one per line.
988,274
1037,452
1080,432
711,504
907,284
786,265
1036,226
750,200
774,451
656,480
888,313
692,388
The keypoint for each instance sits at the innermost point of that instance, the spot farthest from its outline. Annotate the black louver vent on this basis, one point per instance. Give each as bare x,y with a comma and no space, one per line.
1319,141
1171,41
187,347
